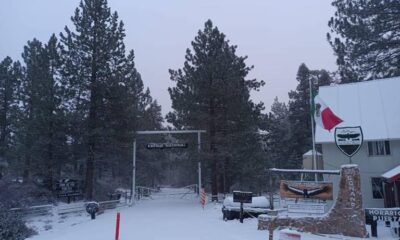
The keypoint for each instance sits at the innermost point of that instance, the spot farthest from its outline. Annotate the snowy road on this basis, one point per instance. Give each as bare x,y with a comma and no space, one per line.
164,218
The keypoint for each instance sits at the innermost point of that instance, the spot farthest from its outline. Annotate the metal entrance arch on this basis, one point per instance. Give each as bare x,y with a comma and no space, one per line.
164,132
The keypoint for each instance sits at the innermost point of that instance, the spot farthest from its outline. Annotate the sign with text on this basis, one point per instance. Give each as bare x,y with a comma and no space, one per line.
242,197
383,214
301,189
349,139
307,208
166,145
373,215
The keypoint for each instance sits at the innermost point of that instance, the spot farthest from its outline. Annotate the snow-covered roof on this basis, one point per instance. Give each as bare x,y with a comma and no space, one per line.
392,174
374,105
310,153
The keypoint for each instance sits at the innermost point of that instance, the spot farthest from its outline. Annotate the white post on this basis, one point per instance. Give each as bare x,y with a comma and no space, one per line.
312,131
199,164
133,191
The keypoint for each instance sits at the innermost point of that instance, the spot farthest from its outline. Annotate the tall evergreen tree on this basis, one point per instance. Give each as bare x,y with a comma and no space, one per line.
106,92
30,128
42,131
10,79
212,93
88,53
366,38
300,111
54,115
278,137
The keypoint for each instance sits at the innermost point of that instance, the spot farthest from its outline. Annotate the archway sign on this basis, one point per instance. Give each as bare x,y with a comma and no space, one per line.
162,146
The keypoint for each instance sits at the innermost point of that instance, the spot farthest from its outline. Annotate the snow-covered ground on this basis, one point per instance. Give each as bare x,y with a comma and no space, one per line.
165,217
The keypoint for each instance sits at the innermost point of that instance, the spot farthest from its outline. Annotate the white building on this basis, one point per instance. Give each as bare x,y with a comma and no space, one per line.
375,106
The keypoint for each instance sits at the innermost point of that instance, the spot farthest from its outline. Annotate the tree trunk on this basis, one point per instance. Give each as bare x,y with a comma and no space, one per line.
50,163
214,157
89,179
92,125
92,121
4,121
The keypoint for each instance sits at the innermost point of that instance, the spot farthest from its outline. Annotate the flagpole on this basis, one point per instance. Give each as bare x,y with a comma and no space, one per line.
312,130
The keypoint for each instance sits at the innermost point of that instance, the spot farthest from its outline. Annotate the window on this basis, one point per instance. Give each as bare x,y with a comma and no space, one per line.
379,148
377,187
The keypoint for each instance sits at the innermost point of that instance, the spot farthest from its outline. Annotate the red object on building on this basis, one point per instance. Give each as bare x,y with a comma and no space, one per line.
117,227
391,187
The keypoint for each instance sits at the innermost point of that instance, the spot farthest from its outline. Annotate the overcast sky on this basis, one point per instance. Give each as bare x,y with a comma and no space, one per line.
277,36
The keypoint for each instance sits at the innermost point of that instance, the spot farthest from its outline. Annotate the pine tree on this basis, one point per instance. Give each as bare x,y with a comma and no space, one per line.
105,90
278,138
300,112
10,78
30,128
321,77
42,129
54,118
88,60
212,93
365,38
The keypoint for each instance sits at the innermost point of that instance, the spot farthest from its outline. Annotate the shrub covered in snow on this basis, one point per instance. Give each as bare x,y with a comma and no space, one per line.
11,225
15,194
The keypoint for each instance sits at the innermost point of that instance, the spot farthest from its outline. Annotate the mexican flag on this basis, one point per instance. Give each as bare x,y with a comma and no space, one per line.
323,115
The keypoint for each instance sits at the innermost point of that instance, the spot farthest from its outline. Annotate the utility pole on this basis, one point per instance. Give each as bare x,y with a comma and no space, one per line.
312,130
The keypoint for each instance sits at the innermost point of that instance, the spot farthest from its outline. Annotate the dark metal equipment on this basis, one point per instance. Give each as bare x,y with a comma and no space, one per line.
92,208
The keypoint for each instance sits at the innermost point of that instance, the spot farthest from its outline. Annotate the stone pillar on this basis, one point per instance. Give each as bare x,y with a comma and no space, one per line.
346,217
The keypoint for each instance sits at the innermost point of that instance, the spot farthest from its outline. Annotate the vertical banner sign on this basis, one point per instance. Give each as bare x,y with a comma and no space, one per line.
203,197
349,139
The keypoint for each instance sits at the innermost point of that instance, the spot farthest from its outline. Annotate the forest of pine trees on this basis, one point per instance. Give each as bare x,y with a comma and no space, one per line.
70,107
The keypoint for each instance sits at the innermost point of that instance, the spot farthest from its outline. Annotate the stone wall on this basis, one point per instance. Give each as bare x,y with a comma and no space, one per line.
346,217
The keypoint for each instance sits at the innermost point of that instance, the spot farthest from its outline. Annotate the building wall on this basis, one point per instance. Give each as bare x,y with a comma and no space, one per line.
370,166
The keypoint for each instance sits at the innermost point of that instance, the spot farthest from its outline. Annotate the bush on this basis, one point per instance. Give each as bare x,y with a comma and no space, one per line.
12,227
103,189
15,194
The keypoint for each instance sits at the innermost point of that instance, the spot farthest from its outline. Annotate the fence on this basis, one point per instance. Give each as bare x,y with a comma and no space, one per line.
145,191
65,209
34,211
193,187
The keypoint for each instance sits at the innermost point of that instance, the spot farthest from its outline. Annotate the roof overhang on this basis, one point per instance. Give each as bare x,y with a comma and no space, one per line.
393,174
